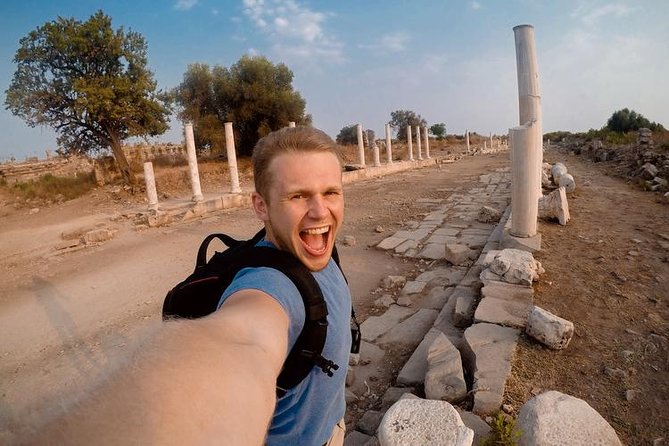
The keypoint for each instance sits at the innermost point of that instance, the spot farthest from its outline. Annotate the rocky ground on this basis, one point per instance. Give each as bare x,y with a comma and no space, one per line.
67,316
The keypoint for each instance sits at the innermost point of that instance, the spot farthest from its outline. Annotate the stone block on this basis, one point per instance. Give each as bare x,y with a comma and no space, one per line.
549,329
369,422
410,331
442,276
474,422
488,350
459,254
394,394
516,266
447,231
436,298
356,438
445,378
529,244
394,281
98,235
413,287
414,370
444,323
504,304
465,300
390,242
375,326
415,421
432,251
472,279
405,246
554,415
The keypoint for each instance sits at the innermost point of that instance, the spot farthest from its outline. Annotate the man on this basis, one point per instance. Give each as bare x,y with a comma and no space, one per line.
212,380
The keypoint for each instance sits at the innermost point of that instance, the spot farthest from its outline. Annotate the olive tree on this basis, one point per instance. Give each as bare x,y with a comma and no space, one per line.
90,83
400,119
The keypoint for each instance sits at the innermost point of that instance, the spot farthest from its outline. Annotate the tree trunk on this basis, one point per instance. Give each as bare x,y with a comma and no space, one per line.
121,160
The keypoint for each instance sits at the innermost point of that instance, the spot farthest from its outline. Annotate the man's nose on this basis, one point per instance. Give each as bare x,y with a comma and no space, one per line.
318,207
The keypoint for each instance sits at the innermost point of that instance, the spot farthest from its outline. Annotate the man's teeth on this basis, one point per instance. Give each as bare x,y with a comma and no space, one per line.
317,231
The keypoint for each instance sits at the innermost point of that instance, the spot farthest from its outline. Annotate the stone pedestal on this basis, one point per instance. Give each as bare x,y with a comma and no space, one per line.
409,143
150,180
525,175
232,158
361,146
192,163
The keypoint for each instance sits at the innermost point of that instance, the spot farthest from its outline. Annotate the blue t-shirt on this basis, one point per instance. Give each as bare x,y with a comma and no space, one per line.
308,412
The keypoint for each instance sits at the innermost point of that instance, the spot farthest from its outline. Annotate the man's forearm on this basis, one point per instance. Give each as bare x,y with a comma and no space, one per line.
187,384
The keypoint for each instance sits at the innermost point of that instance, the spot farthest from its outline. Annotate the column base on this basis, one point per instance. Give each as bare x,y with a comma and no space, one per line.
529,244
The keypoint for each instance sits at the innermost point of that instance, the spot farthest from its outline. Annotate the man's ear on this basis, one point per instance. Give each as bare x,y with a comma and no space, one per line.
260,206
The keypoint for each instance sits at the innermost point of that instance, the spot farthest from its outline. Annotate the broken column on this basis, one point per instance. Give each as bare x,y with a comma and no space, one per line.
389,140
554,205
361,145
524,174
232,158
371,142
467,140
529,98
420,153
291,124
150,180
192,163
427,143
409,143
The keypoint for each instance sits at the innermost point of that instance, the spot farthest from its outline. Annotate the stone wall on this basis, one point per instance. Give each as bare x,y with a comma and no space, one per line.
34,168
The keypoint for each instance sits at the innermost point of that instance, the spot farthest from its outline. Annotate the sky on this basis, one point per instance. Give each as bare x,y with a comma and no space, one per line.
450,61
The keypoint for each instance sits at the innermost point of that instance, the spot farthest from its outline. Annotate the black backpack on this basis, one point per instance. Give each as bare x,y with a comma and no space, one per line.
199,294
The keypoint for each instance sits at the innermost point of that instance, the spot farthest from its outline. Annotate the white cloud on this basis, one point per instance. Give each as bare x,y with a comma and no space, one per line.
185,5
475,5
297,32
590,14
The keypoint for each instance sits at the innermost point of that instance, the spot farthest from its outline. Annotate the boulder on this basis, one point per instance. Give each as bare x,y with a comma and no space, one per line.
421,422
648,171
557,418
459,254
549,329
516,266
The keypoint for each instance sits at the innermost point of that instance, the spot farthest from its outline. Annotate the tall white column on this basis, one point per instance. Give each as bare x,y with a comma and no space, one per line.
529,98
467,140
389,141
420,153
490,140
361,146
232,158
524,202
427,143
192,162
409,143
371,142
485,145
150,180
291,124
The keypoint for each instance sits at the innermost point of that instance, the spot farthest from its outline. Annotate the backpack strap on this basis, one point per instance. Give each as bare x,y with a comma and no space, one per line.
309,345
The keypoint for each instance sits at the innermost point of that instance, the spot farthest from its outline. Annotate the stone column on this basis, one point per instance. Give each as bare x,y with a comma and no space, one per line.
361,146
371,142
232,158
291,124
192,162
427,143
490,139
467,140
409,143
420,152
389,140
529,98
485,145
150,180
524,201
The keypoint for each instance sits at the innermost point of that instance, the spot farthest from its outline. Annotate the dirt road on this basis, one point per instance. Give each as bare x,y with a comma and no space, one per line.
65,320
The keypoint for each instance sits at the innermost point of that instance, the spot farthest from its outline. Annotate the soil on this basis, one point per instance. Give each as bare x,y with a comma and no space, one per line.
67,316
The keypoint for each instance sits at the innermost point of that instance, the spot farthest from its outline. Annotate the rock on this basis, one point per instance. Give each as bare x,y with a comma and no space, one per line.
379,229
354,358
465,300
34,211
629,395
554,415
615,373
516,266
394,281
488,214
552,331
394,394
98,235
444,379
349,240
404,301
375,326
384,301
474,422
356,438
413,287
350,376
350,397
410,331
369,422
421,422
414,370
459,254
648,171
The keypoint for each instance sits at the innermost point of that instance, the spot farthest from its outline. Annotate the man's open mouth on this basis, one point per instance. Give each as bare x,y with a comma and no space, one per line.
315,240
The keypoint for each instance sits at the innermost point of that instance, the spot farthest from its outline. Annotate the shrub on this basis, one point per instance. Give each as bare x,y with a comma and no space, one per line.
49,187
503,433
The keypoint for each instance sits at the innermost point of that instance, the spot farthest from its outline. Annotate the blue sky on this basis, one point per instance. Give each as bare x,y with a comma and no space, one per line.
356,61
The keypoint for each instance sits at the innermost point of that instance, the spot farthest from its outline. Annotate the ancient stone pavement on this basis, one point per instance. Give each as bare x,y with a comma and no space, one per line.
439,304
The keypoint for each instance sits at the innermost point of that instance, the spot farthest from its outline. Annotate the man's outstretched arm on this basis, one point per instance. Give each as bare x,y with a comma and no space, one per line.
210,380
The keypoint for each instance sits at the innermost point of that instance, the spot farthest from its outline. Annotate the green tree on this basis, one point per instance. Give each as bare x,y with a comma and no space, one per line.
438,130
90,83
254,94
625,120
348,135
400,119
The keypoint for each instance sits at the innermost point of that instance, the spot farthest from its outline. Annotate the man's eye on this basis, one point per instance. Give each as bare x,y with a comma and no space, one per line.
297,197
